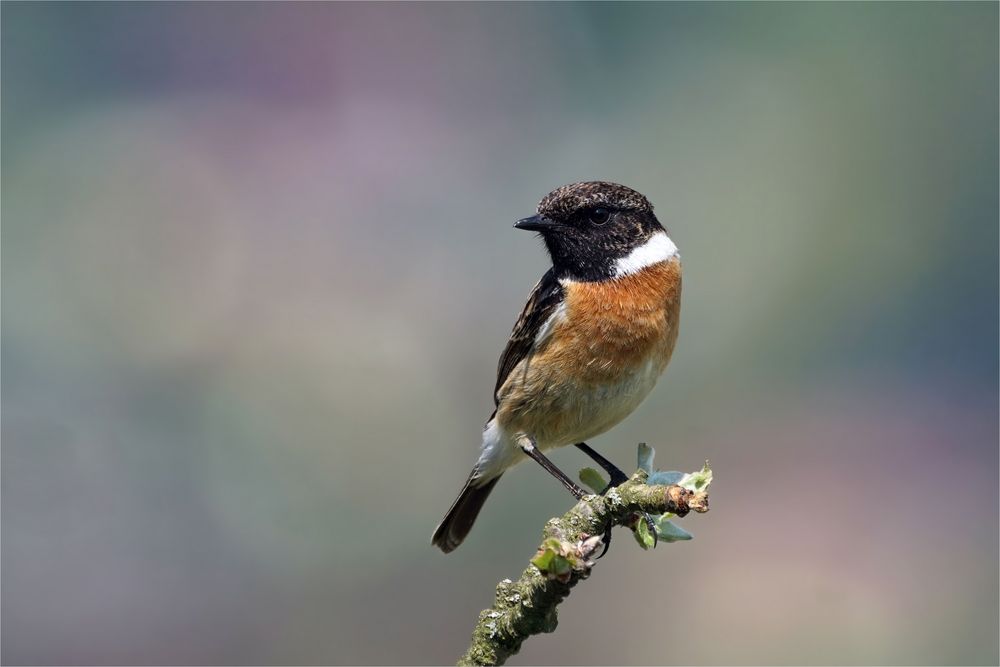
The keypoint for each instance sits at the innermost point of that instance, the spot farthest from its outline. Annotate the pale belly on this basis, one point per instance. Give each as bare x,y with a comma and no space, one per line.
566,412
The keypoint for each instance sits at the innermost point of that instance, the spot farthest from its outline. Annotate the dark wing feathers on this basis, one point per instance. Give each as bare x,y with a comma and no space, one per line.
544,299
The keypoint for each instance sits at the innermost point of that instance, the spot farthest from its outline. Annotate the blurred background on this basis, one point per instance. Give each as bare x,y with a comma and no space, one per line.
258,267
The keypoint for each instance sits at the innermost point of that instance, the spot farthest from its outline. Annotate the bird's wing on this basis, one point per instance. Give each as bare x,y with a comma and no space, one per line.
542,303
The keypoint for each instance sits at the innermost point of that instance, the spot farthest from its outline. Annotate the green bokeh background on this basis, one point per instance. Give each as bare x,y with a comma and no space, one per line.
258,267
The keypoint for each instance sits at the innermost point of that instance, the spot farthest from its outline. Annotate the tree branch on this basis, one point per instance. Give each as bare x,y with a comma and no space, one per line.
528,606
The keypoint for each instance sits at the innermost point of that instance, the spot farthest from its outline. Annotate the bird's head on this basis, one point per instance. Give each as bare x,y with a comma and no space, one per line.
595,230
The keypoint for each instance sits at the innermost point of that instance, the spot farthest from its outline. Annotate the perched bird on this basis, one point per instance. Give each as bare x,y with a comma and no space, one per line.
596,333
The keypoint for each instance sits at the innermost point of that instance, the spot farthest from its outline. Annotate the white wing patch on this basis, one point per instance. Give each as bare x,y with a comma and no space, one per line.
544,331
659,248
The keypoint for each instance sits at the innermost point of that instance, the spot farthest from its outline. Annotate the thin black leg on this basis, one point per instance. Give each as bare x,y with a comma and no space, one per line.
528,447
617,476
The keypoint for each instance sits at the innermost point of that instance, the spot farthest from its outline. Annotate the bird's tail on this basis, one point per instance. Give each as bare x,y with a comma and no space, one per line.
457,523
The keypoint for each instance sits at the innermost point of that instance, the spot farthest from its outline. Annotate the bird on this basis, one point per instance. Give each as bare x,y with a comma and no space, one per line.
596,333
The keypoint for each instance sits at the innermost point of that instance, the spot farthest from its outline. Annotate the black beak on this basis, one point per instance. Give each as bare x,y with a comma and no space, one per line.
536,223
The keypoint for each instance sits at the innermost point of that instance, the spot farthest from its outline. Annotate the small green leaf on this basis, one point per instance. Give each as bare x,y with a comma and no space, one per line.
642,534
697,481
543,560
646,454
557,560
550,549
593,479
560,568
670,532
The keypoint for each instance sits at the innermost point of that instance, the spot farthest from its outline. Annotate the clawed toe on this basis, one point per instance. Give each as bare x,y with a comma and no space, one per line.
652,528
606,538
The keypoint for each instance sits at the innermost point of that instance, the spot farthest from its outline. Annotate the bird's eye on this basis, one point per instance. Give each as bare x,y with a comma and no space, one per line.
599,216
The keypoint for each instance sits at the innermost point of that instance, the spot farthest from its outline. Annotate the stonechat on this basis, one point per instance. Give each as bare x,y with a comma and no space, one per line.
596,333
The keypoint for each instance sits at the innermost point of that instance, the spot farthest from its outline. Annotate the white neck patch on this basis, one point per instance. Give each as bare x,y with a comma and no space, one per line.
659,248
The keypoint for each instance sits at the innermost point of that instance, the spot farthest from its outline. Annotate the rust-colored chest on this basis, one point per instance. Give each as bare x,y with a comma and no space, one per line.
608,344
611,328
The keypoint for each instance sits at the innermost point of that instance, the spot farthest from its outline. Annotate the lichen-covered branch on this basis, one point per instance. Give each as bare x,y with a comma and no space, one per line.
528,606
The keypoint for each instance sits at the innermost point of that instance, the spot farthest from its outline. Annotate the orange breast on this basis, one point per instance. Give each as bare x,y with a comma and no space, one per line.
611,327
600,360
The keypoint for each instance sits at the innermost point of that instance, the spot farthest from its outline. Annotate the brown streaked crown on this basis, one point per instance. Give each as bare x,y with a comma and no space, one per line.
587,227
568,199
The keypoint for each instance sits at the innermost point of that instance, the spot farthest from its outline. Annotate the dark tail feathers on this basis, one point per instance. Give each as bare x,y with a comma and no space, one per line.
458,521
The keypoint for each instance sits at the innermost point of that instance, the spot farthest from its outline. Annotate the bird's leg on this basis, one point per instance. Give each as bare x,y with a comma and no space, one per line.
527,446
617,478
